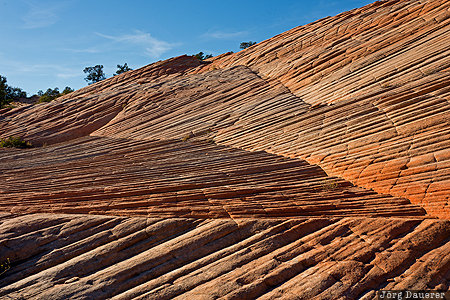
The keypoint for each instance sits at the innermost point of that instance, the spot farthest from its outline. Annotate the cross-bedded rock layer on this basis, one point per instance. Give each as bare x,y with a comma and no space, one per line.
384,71
179,179
94,257
364,95
207,169
352,139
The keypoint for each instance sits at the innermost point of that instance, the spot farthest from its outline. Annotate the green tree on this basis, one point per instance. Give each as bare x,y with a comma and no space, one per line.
95,74
52,94
122,69
8,93
245,45
3,86
202,56
15,93
67,90
49,95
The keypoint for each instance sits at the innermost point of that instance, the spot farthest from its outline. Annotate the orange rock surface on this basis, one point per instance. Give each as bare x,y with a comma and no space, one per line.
179,179
313,165
378,79
99,257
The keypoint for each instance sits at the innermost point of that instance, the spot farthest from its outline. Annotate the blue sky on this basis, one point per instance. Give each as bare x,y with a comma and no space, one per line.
48,43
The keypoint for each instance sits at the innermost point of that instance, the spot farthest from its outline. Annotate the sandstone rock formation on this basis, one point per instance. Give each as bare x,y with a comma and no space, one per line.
378,77
369,86
311,165
179,179
94,257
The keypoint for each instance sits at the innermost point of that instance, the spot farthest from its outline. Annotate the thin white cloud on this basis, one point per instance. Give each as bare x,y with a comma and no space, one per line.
34,68
151,46
86,50
224,34
40,15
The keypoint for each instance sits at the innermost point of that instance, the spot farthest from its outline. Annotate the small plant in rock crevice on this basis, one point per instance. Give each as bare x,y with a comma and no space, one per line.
429,72
188,136
387,85
5,266
14,142
329,185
